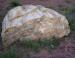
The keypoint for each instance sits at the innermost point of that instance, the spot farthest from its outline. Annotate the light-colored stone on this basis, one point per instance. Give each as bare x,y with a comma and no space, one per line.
33,22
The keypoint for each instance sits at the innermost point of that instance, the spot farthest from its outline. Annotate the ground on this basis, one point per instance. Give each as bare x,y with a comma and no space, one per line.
66,49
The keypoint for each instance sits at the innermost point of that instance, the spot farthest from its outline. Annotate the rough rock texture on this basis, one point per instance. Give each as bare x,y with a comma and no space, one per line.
33,22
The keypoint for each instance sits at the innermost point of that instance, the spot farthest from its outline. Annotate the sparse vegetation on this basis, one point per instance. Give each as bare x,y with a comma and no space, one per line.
72,23
68,11
15,3
8,54
35,45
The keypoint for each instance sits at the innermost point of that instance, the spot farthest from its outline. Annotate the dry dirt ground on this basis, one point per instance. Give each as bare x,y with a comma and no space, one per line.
67,45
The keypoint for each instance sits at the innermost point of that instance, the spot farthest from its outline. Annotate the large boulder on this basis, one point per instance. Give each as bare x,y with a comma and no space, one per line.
33,22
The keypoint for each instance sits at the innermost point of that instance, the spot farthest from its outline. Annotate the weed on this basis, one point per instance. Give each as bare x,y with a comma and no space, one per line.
35,45
8,54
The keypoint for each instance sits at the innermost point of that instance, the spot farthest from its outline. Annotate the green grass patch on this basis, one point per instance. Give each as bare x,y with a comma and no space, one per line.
8,54
35,45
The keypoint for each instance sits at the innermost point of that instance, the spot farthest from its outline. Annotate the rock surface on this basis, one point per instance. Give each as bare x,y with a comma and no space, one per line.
33,22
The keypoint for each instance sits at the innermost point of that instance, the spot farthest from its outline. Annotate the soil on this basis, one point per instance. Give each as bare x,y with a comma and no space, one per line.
67,45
